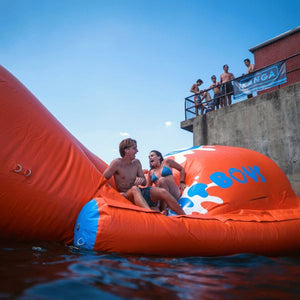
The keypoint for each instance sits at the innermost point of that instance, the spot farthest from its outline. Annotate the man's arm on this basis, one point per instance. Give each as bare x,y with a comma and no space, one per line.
111,169
140,178
251,68
202,98
194,89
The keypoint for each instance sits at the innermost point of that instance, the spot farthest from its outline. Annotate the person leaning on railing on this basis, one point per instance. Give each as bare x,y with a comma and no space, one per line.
250,69
195,89
206,102
227,88
217,92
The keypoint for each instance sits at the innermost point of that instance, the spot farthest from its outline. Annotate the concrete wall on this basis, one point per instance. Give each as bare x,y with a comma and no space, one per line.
269,124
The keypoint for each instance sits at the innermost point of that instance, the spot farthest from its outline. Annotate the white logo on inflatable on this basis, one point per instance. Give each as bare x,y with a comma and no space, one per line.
193,196
191,204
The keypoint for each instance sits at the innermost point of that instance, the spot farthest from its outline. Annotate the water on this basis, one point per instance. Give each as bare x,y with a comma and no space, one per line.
54,271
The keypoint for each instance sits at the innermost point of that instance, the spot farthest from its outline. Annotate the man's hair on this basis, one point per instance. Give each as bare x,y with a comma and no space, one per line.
125,144
199,80
225,66
213,76
247,59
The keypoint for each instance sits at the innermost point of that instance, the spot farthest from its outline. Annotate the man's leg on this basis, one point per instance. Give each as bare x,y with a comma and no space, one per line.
224,93
196,105
217,103
230,92
163,183
222,101
202,109
157,194
172,189
229,99
135,196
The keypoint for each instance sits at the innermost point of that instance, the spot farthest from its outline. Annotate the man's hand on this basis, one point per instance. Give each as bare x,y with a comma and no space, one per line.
140,181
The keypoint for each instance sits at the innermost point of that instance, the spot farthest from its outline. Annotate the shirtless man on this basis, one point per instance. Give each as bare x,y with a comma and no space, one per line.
217,92
128,175
250,69
195,89
227,88
206,103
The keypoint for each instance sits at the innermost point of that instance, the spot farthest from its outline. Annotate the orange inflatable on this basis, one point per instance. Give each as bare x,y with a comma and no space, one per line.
237,200
46,175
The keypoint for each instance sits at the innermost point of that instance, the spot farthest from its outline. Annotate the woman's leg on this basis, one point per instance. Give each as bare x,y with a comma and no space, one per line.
172,188
157,194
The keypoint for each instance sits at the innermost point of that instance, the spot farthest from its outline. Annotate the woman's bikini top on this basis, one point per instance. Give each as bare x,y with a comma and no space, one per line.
164,172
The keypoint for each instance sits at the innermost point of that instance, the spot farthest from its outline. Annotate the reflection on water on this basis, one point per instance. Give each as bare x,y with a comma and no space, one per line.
53,271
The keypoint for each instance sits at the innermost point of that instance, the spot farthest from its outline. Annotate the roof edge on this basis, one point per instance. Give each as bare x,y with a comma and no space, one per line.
273,40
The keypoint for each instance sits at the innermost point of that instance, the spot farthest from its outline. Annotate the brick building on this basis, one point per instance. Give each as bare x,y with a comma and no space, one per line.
285,46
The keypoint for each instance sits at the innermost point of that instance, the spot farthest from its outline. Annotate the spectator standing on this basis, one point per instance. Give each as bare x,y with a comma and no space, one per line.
218,99
250,69
227,88
206,102
195,89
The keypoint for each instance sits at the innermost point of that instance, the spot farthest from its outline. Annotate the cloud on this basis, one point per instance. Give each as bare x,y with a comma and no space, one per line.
168,123
124,134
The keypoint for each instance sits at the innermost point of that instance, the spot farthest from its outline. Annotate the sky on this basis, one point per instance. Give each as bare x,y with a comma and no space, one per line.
112,69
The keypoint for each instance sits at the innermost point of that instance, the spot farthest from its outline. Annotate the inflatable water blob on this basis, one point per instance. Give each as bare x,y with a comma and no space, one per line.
237,201
52,189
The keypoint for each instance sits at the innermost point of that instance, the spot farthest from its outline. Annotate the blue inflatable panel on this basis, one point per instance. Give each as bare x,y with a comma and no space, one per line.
85,231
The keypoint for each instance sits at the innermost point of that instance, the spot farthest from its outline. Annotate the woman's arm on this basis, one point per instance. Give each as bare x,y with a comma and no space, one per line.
173,164
148,178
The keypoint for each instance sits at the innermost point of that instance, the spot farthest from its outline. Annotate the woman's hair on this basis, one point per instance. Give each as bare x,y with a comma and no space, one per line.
125,144
158,154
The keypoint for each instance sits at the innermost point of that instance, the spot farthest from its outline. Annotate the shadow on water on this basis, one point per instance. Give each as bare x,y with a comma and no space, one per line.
53,271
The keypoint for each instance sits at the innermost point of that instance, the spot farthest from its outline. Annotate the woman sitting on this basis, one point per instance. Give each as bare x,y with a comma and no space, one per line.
161,174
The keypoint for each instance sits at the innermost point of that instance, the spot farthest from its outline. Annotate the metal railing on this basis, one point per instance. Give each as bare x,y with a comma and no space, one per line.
192,108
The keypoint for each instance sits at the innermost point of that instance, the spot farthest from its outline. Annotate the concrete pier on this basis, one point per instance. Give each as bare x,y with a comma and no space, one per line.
268,123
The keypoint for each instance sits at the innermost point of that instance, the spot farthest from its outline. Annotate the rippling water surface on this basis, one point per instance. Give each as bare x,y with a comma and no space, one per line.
53,271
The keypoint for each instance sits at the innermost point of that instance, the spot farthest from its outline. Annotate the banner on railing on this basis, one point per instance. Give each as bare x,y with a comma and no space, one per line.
257,81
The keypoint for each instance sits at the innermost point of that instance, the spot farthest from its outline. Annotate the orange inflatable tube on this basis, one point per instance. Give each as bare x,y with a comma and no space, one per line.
46,175
236,200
